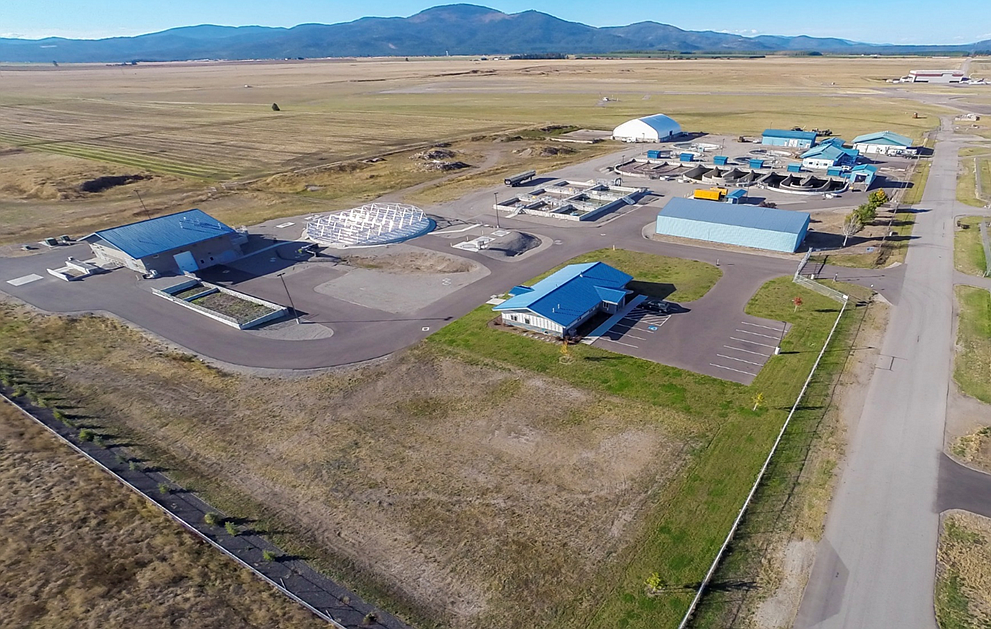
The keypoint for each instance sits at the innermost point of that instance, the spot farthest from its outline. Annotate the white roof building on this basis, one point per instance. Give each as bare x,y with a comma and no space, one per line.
656,128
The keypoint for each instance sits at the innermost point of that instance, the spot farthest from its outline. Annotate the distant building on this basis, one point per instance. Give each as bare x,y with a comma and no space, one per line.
741,225
883,143
792,139
828,154
656,128
934,76
560,303
175,243
864,173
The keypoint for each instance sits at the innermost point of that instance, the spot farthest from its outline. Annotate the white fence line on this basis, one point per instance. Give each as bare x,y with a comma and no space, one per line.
173,516
763,470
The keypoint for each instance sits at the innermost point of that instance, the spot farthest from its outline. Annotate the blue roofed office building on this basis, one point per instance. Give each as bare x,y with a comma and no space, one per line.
828,154
741,225
791,139
560,303
175,243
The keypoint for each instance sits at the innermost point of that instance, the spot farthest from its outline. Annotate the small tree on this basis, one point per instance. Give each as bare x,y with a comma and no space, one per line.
798,302
851,225
759,398
268,555
878,197
230,528
212,519
866,213
86,435
164,489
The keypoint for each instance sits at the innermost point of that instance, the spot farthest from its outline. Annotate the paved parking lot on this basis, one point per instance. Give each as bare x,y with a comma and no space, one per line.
635,329
747,348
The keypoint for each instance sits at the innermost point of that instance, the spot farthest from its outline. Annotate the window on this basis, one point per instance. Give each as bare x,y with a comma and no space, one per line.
526,320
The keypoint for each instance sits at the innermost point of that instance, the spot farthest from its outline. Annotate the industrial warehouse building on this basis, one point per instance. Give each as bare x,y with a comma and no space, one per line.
882,143
656,128
791,139
742,225
560,303
828,154
175,243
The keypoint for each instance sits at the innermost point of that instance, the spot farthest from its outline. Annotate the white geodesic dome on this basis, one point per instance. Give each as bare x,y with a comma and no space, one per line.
656,128
372,224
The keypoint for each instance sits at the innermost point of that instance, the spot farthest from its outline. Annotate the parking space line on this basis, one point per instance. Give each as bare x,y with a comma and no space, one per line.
618,343
630,336
739,360
740,349
733,338
757,325
731,369
27,279
756,334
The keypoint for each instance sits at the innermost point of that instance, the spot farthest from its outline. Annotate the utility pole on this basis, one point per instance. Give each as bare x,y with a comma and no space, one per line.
496,206
141,201
281,276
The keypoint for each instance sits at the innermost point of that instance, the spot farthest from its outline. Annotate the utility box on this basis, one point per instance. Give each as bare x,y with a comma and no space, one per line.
794,168
653,154
756,164
687,157
720,160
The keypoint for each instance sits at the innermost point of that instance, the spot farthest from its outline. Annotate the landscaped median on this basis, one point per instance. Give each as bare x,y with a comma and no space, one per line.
651,582
968,246
972,364
223,304
963,571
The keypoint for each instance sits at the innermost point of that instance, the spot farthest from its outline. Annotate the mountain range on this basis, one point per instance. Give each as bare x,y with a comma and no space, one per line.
458,29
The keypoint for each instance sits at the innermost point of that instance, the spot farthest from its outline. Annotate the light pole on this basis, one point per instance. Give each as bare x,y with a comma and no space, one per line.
281,276
777,349
496,206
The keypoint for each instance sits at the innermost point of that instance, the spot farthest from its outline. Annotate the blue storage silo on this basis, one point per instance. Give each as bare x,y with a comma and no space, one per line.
720,160
686,157
756,163
794,168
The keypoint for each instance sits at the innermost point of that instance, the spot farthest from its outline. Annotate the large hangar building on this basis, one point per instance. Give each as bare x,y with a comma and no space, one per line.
656,128
175,243
729,224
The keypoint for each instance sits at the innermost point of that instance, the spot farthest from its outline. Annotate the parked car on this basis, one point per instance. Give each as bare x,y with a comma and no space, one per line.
657,305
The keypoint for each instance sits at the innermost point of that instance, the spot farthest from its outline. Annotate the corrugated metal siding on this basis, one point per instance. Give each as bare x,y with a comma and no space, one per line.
730,234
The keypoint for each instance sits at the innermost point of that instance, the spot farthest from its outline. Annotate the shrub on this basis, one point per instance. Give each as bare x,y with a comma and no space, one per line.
369,618
134,467
230,528
58,415
86,435
212,519
98,440
269,556
866,213
121,459
164,489
18,392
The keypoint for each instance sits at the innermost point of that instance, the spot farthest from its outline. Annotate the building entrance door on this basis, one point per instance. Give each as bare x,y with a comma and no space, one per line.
186,262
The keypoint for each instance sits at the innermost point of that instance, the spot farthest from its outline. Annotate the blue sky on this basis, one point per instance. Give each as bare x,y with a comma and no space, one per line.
879,21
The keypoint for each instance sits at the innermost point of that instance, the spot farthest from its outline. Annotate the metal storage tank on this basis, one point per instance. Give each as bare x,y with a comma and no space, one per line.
731,224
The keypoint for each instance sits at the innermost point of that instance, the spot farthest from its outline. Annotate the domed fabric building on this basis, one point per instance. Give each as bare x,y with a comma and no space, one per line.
656,128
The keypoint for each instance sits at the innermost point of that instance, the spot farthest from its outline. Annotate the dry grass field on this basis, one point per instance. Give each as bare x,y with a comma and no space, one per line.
79,550
963,572
194,126
479,496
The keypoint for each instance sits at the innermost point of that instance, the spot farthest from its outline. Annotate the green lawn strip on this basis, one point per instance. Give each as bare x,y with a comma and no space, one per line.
690,519
917,183
968,250
972,366
658,276
962,572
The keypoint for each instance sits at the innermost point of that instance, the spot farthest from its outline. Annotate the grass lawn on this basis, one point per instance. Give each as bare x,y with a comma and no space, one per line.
676,279
242,310
968,250
963,572
918,183
689,519
973,360
966,184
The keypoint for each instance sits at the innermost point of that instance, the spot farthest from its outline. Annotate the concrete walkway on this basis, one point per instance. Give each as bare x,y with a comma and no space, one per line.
293,576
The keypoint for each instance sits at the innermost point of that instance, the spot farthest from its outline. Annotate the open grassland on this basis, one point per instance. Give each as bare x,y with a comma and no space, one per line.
79,550
917,184
972,365
200,125
687,522
973,169
457,493
676,279
475,480
968,249
963,572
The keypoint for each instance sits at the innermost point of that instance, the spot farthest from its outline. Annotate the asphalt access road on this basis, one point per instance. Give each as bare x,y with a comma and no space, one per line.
874,565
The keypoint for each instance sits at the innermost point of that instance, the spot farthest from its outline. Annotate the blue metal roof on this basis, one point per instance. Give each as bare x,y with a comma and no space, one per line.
889,138
564,296
791,135
738,215
832,149
739,193
164,233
